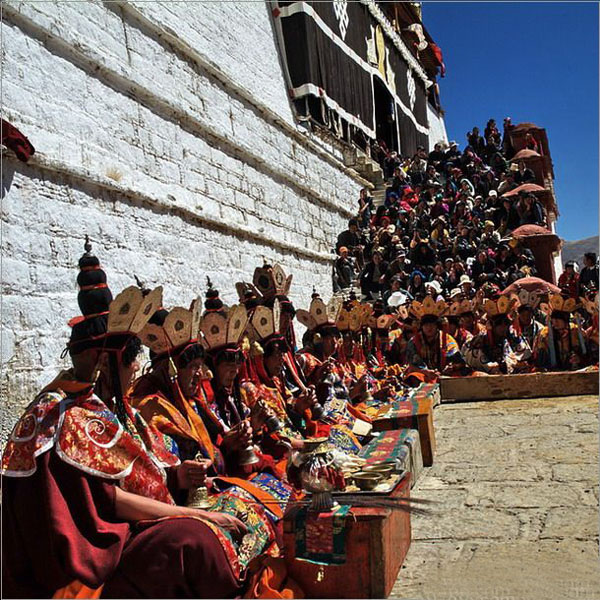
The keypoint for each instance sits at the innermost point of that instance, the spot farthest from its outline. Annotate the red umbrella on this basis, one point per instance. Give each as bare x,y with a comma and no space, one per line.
529,230
522,126
525,153
526,187
531,284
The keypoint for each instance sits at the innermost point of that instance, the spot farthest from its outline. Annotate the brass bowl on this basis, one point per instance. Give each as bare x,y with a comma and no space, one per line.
367,481
313,443
384,469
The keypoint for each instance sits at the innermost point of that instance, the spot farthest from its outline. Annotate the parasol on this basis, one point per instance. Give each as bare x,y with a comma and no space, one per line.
526,187
531,284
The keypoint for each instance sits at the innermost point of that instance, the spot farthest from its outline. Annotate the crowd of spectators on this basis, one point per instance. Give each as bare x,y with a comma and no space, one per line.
445,227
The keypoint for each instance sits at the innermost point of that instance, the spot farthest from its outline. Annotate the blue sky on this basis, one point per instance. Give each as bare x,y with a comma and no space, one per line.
532,61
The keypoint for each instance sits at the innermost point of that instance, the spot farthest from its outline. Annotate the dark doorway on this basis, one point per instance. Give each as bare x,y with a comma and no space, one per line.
385,118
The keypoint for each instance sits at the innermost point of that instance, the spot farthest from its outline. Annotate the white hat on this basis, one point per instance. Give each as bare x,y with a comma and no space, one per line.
493,193
435,285
455,292
464,279
397,299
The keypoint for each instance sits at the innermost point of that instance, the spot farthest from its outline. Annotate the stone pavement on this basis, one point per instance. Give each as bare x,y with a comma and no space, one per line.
516,513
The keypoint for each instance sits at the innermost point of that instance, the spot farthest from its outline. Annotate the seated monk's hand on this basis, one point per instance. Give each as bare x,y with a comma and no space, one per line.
385,391
226,521
306,400
260,413
359,389
493,368
192,473
237,438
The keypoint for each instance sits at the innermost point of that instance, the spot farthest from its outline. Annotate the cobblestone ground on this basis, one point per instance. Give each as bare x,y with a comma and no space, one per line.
516,513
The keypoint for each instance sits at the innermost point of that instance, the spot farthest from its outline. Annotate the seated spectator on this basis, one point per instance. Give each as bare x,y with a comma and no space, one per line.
372,276
588,278
508,217
437,158
350,238
365,208
568,281
476,141
344,270
490,237
483,267
530,210
524,174
531,143
416,286
434,289
466,285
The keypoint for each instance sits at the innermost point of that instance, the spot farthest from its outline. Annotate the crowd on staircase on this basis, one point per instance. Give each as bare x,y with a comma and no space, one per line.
448,228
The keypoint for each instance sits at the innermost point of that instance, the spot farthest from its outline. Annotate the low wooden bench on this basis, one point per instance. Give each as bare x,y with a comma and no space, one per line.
527,385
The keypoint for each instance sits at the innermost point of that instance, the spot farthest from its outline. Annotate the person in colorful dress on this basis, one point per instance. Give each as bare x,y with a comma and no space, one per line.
525,325
590,305
498,350
431,351
168,396
560,345
99,479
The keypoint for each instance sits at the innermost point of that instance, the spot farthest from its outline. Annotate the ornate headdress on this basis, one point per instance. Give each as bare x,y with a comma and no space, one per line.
502,306
429,307
105,322
530,299
460,307
224,328
590,306
265,324
557,304
320,315
350,317
248,295
271,281
174,330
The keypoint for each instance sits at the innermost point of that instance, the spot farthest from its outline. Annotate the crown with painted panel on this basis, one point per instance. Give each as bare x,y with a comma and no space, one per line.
502,306
224,327
319,313
180,327
557,303
271,281
460,308
131,310
429,307
526,298
350,319
265,321
590,306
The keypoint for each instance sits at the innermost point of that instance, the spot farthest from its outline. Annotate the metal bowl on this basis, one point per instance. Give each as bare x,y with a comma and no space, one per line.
385,469
313,443
367,481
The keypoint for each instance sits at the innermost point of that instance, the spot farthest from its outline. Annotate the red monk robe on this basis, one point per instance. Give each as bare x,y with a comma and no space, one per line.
60,468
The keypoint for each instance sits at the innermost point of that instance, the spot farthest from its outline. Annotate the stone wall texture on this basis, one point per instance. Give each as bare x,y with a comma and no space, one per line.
165,133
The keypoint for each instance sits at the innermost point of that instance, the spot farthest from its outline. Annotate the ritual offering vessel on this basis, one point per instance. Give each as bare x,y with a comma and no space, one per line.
316,470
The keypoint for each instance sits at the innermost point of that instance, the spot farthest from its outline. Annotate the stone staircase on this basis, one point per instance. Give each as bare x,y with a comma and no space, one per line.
369,169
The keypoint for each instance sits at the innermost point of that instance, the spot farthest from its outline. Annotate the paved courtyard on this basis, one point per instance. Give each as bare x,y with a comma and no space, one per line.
516,513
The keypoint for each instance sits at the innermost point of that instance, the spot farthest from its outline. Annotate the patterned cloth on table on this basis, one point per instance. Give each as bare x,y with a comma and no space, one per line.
321,537
389,445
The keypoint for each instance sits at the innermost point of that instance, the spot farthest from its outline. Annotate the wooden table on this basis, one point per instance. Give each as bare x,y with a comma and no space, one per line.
412,414
527,385
377,541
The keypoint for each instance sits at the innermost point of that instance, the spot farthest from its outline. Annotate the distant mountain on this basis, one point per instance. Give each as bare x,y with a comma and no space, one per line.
576,249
